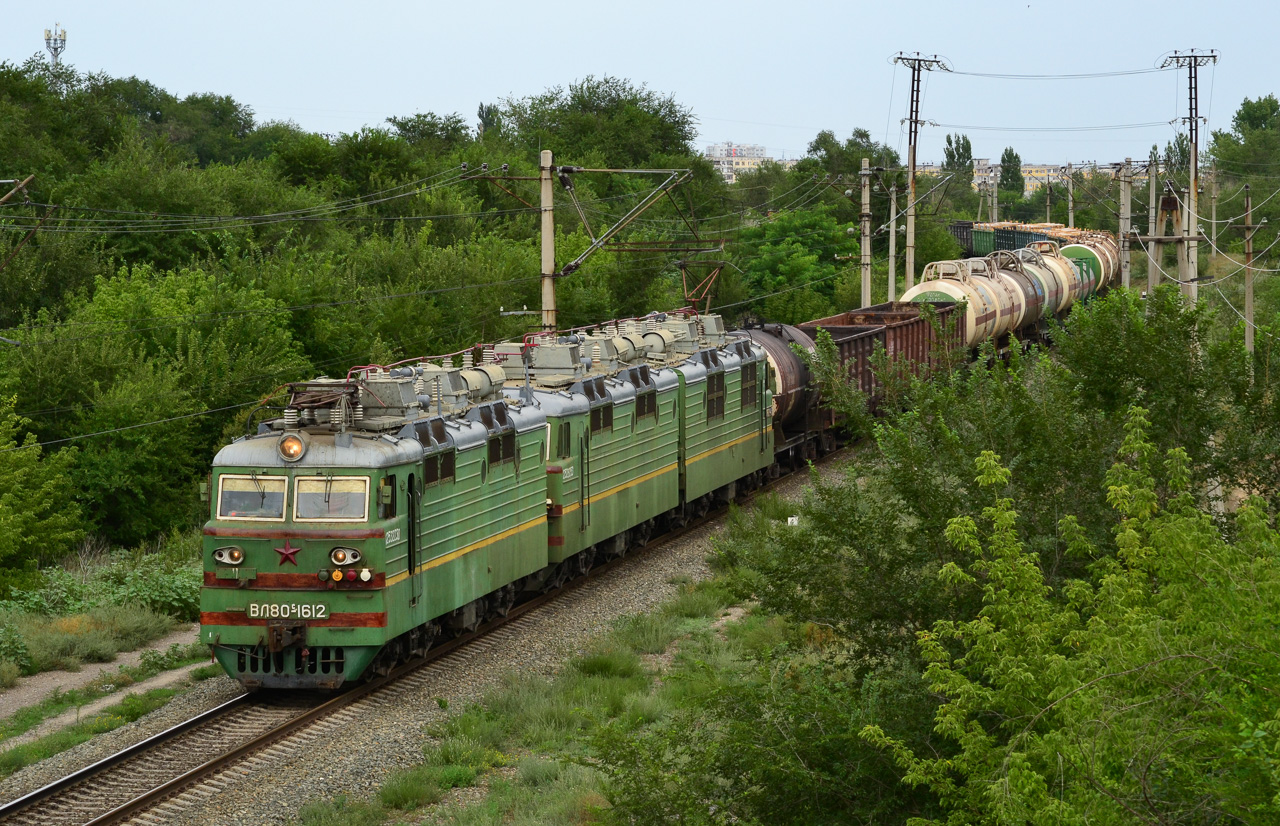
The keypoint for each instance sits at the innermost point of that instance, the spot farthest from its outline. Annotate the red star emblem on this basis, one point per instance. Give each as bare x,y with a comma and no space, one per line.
288,553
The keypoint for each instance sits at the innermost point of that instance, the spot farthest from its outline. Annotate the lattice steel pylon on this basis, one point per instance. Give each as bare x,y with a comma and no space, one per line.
1192,59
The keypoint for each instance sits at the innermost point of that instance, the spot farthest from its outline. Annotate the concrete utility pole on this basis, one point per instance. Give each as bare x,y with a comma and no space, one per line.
865,174
1153,276
1248,270
548,244
919,64
1071,198
1126,218
1192,60
1213,213
995,202
893,242
1048,199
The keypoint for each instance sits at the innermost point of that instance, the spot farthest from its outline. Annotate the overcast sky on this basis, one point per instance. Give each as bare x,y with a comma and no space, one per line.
752,72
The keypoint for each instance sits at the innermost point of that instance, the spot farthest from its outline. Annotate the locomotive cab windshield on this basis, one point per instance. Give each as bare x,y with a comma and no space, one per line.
251,497
331,499
254,498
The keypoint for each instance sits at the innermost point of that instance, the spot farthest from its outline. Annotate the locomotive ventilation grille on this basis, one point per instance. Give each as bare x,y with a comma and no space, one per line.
320,660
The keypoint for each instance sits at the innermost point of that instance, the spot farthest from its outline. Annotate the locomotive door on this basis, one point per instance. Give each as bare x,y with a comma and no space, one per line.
584,486
415,511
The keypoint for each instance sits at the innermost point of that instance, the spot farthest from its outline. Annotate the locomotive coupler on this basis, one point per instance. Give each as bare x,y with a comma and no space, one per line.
283,633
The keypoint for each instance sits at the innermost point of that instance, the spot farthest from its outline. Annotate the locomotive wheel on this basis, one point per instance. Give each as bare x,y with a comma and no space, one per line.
582,561
504,599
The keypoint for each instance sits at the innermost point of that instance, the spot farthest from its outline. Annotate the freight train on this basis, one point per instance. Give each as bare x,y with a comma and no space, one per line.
384,510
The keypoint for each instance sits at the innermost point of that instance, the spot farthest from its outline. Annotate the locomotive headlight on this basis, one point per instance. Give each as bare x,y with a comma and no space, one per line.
231,555
291,447
344,556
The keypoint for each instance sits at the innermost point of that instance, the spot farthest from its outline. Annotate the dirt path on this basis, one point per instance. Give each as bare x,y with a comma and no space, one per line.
33,689
165,679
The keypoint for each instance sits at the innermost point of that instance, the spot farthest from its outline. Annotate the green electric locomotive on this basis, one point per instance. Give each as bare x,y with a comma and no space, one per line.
399,504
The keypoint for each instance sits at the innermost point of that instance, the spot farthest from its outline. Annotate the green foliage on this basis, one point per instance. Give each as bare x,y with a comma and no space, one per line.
9,673
958,159
340,812
1177,616
1011,173
38,520
836,158
14,650
791,259
607,122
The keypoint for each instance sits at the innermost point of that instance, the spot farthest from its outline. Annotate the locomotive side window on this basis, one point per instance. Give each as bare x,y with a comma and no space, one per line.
251,497
646,404
715,396
564,448
387,497
431,470
502,449
331,499
750,388
448,464
602,418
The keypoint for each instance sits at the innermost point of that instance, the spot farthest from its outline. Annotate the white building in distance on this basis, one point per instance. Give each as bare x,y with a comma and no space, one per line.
732,159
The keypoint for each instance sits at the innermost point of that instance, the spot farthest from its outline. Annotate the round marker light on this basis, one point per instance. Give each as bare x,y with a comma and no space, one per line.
337,576
323,575
365,575
291,448
351,575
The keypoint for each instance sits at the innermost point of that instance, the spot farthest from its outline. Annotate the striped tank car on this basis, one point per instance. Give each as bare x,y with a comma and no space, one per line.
401,504
1019,291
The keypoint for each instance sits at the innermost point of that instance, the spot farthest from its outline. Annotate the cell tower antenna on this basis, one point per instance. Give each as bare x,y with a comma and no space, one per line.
55,40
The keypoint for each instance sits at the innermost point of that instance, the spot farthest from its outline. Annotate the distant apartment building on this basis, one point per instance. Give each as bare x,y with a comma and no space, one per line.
732,159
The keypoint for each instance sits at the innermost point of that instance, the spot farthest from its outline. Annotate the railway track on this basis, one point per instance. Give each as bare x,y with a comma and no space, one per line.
157,777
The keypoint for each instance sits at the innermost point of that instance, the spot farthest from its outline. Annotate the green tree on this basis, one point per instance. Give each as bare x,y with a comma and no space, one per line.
790,259
1011,172
1170,644
836,158
609,119
1177,154
39,521
490,119
958,159
430,131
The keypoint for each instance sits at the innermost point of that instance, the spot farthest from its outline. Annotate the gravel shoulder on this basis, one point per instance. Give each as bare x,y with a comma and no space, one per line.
33,689
355,758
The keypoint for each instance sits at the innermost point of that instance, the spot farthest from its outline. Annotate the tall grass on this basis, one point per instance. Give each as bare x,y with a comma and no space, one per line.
95,636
